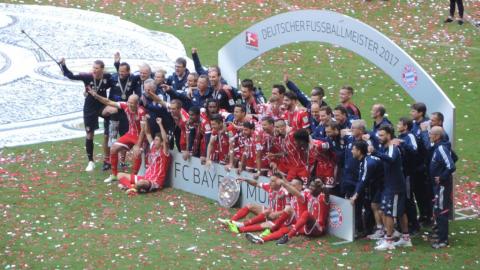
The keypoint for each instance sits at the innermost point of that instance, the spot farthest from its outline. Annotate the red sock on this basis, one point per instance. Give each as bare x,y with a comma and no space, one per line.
114,160
280,221
256,219
251,228
243,212
276,235
137,162
300,223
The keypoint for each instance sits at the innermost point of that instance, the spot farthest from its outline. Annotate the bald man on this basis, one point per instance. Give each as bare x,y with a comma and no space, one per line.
132,138
441,169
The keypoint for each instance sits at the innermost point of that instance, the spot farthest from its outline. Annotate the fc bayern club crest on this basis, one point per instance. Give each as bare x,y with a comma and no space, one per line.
409,76
335,216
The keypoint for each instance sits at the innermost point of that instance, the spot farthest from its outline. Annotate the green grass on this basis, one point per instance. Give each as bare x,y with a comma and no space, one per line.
72,219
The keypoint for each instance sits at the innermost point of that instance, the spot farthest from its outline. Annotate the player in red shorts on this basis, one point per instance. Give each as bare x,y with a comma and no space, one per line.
311,222
291,213
134,114
295,117
217,150
158,161
277,201
290,154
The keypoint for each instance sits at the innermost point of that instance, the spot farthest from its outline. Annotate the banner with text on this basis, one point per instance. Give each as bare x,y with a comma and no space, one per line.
193,177
343,31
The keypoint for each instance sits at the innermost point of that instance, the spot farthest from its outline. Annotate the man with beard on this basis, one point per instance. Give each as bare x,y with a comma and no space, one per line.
295,117
393,194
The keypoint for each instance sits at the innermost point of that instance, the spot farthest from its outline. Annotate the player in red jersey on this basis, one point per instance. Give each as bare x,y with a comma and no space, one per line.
242,149
194,135
264,145
180,118
239,117
277,201
217,150
311,222
345,94
206,128
291,152
134,114
158,160
295,117
273,108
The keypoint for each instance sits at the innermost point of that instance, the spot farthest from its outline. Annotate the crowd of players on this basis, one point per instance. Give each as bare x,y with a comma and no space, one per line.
310,150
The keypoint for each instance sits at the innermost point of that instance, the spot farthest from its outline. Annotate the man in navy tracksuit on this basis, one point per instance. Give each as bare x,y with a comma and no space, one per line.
378,115
440,171
408,144
178,80
393,195
370,183
420,184
199,97
349,173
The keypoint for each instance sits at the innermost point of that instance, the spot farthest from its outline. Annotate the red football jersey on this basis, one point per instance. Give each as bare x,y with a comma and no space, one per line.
181,122
318,207
297,119
220,147
267,109
299,205
264,143
158,163
133,118
277,199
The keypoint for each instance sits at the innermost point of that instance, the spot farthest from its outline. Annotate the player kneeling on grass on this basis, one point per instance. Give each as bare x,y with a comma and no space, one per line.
277,200
158,160
312,222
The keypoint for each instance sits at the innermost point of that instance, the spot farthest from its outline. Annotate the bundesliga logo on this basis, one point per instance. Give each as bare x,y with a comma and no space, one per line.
409,76
251,39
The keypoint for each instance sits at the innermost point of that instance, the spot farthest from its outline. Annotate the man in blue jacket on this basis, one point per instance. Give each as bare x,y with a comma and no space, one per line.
441,168
393,195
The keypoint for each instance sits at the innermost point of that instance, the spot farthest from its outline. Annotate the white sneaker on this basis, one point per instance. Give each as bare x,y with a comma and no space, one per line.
90,166
402,242
385,245
396,234
110,179
379,234
254,238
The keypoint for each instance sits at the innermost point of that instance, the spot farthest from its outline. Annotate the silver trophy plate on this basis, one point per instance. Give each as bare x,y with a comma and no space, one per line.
228,191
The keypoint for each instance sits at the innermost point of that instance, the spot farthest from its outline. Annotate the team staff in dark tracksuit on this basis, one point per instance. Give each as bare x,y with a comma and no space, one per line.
440,170
370,183
178,80
421,186
393,195
199,97
98,81
408,144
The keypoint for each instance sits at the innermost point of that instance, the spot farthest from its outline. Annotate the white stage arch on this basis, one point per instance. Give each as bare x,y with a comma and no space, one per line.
346,32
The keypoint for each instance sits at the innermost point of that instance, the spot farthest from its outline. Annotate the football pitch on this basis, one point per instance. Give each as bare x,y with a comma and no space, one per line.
56,216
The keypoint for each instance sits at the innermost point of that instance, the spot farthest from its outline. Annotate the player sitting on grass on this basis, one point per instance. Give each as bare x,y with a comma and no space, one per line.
311,221
277,200
158,160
